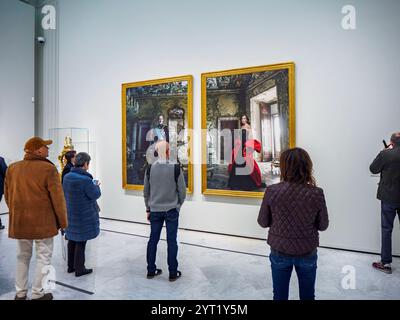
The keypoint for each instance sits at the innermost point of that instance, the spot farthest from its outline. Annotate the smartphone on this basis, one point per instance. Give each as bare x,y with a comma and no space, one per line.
385,144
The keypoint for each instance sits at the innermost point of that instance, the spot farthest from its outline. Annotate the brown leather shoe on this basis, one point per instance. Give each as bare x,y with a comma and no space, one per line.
19,298
46,296
386,268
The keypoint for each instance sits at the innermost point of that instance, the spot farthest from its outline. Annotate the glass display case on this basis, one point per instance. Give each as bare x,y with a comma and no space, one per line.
73,138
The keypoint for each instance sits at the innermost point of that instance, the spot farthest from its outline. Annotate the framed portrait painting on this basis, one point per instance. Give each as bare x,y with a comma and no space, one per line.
248,119
152,111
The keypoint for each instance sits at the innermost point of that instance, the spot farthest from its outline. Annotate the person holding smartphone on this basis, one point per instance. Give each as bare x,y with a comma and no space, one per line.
81,194
387,164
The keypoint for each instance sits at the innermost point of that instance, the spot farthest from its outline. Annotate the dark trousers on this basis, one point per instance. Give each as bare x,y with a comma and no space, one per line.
76,255
156,223
388,214
306,269
1,196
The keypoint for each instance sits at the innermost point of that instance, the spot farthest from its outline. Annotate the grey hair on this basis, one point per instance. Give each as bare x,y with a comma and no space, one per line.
395,139
81,158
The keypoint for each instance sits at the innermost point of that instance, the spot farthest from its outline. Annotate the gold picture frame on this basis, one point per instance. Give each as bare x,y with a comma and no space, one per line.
142,103
282,76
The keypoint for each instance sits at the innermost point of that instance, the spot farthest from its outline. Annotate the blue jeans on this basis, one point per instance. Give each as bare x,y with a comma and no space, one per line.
388,214
306,269
156,223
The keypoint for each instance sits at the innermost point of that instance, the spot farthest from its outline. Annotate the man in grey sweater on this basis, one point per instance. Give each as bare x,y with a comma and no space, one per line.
164,193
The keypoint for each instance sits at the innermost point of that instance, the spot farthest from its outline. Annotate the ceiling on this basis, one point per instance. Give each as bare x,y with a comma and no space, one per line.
35,3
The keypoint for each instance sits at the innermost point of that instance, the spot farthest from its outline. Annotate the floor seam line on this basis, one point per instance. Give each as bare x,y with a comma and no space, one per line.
190,244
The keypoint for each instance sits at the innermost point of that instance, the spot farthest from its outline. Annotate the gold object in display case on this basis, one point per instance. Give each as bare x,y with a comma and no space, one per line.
67,147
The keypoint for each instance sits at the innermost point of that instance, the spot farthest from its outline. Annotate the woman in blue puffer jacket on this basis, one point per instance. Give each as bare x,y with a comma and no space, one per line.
81,193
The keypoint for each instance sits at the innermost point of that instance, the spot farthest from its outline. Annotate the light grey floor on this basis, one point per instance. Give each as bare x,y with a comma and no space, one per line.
118,257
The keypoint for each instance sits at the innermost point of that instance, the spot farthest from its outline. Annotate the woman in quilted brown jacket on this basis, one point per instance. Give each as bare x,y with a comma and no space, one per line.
294,210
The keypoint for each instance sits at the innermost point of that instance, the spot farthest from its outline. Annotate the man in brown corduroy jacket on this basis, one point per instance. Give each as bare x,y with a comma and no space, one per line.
36,203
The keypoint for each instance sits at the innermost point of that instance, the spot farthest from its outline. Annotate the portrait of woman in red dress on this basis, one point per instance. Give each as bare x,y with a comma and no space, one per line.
244,172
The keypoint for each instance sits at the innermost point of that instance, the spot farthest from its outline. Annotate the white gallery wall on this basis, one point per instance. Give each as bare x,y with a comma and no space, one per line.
17,29
347,93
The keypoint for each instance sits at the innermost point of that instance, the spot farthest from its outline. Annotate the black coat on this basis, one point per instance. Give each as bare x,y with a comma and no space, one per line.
3,169
66,170
387,163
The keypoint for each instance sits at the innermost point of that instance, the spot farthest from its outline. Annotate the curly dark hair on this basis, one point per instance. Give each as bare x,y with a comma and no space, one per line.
296,167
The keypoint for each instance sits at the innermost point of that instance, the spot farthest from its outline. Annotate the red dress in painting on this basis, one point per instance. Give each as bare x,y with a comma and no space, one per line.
252,180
